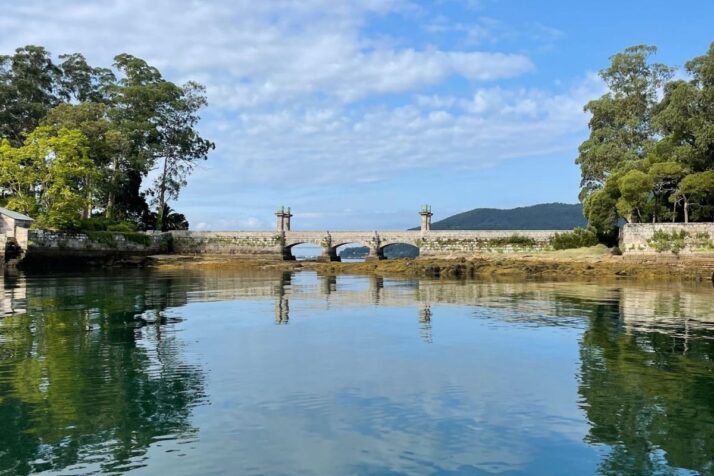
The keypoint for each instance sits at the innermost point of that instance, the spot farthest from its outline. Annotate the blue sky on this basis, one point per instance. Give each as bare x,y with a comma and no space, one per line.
355,113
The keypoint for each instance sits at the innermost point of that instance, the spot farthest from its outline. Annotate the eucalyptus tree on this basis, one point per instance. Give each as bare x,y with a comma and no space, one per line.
28,89
650,154
621,128
133,121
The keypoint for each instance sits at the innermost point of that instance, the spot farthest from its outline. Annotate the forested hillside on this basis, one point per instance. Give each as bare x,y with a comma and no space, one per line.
545,216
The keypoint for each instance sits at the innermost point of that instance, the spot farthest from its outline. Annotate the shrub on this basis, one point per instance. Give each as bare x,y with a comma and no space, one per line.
578,238
104,224
662,241
124,227
516,240
94,224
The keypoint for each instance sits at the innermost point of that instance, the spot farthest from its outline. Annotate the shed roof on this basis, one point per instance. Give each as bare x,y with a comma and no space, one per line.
14,215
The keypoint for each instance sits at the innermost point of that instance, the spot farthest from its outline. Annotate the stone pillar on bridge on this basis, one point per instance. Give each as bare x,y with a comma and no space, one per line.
283,216
425,218
376,252
329,252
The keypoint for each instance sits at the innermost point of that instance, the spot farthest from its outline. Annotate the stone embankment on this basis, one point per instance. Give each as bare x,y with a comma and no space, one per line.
696,239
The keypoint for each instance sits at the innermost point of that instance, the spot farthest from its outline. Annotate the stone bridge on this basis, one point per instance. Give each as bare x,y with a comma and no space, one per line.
430,242
330,241
278,244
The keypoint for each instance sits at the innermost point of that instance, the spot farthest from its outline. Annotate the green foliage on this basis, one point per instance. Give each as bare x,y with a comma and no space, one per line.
49,176
621,129
674,241
599,209
635,187
130,123
168,220
97,223
578,238
698,189
650,158
100,223
515,240
124,227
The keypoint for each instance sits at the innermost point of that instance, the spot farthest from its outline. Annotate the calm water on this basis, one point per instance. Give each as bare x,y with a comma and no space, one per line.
234,373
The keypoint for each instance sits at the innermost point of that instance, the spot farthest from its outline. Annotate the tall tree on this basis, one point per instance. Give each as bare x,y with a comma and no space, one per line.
161,120
83,83
132,119
50,175
621,125
180,146
28,89
108,146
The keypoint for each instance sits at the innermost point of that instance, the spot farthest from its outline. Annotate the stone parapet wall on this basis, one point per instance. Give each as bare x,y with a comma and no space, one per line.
264,243
431,243
45,243
470,242
667,239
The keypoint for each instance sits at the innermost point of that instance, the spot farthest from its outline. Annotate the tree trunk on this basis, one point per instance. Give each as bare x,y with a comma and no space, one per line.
111,197
87,211
686,211
162,197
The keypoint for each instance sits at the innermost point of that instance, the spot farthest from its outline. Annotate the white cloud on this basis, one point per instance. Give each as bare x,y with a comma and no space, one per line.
251,53
300,94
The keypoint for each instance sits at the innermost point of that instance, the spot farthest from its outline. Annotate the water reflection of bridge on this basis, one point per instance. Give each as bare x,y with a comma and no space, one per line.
637,354
677,307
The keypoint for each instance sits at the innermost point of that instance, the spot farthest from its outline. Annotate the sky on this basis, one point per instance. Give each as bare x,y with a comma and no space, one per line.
356,112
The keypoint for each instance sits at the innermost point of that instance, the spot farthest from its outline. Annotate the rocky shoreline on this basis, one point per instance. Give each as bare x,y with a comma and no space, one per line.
595,265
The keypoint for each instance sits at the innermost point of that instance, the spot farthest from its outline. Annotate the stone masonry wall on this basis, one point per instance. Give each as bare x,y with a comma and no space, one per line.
467,243
667,239
45,243
6,225
264,243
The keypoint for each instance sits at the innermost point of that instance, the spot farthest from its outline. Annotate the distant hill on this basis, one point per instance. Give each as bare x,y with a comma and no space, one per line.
545,216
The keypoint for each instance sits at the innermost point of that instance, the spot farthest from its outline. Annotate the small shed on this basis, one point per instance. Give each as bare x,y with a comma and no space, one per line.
10,221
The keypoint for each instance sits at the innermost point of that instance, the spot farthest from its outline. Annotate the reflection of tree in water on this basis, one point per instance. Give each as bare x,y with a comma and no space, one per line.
92,383
648,396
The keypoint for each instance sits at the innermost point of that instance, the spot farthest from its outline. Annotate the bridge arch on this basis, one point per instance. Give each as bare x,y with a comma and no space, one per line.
301,250
399,249
346,247
329,242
